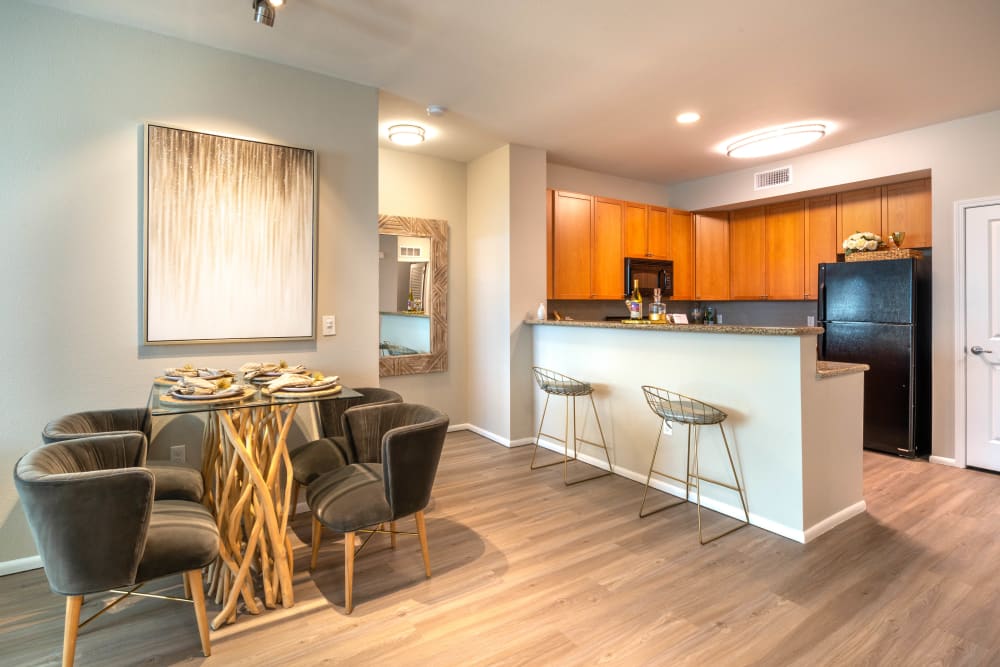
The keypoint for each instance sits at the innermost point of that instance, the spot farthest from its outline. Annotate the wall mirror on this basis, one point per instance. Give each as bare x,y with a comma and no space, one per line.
413,295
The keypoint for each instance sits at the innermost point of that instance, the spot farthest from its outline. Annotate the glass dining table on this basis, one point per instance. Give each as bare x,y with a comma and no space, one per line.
248,482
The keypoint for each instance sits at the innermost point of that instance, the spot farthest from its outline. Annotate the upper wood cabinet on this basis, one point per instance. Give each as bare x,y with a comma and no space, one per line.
572,219
821,242
647,231
681,251
908,209
859,211
784,251
711,261
746,251
607,277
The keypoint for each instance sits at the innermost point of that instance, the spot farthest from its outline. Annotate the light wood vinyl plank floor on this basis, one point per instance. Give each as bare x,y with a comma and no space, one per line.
529,572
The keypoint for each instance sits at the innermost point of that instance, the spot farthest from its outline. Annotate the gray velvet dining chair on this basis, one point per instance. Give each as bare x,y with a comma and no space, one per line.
333,450
174,481
89,503
363,497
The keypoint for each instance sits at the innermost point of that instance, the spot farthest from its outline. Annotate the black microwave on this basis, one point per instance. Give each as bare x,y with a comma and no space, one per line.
651,274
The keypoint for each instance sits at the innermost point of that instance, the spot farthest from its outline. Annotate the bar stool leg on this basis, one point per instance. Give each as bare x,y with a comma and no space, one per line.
652,469
737,488
603,445
538,436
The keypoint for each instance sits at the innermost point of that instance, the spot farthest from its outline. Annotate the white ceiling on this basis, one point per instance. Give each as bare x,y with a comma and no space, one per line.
598,82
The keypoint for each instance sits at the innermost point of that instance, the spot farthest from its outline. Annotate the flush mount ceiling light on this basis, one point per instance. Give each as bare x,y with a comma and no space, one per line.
406,134
775,140
263,11
688,117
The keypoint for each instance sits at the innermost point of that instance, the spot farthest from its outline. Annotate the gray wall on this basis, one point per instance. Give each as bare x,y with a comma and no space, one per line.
76,93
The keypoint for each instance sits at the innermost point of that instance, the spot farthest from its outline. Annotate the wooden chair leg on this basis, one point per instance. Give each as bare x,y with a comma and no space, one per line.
422,533
348,572
317,536
73,604
392,535
193,580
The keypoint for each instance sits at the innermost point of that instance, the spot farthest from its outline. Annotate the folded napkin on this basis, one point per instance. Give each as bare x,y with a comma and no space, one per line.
300,380
213,372
183,371
198,386
252,369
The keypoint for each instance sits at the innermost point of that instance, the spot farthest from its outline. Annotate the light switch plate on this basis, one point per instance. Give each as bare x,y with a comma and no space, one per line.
178,454
329,325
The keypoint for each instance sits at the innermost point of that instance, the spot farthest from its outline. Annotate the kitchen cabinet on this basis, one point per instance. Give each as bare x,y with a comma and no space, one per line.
711,260
681,250
784,251
859,211
821,241
572,220
908,209
746,266
607,277
647,231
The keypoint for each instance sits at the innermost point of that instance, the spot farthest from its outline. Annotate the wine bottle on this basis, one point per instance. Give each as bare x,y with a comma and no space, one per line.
635,302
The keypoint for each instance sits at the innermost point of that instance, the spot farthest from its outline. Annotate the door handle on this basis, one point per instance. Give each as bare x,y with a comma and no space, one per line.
976,349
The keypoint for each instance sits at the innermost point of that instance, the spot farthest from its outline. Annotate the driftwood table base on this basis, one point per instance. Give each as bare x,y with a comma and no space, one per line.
248,477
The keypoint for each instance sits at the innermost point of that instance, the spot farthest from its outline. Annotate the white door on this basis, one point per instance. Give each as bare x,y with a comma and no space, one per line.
982,336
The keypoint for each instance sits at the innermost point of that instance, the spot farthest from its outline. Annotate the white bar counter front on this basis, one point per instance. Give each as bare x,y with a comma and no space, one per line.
795,425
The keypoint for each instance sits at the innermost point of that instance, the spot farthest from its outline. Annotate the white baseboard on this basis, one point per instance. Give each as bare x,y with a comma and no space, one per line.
834,520
945,461
499,439
20,565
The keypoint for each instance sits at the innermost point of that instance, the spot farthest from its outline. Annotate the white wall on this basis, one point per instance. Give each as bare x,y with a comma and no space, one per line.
962,156
76,93
560,177
528,262
488,247
427,187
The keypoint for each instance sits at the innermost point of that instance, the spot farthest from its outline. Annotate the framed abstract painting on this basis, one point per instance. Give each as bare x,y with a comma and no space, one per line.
229,239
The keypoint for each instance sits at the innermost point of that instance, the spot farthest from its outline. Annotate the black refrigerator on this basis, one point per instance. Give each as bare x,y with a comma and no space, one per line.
879,313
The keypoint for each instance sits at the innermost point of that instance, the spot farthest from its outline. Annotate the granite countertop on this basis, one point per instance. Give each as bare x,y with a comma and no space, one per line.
405,313
825,369
746,330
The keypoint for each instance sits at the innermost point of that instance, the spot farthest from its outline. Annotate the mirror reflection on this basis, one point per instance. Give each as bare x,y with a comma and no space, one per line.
404,306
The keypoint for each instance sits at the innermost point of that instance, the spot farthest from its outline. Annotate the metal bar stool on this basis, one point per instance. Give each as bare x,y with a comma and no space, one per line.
671,406
557,384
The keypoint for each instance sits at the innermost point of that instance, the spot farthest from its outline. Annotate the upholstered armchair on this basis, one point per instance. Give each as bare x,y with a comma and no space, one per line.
362,497
173,480
334,450
89,503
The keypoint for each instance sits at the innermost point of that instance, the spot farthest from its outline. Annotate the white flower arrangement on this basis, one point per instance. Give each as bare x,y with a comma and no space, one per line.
862,241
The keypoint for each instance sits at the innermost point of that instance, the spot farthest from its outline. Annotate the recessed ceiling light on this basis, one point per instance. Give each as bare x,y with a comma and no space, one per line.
774,140
406,134
689,117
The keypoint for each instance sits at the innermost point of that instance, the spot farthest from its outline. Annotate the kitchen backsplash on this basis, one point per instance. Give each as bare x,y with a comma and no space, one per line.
754,313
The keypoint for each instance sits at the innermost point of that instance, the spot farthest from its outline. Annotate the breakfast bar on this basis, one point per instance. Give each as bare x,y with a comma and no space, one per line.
795,424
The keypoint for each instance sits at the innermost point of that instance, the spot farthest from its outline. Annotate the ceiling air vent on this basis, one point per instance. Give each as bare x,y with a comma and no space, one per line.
773,178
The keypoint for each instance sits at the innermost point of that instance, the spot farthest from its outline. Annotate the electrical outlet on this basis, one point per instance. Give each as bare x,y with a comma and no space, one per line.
329,325
668,427
178,454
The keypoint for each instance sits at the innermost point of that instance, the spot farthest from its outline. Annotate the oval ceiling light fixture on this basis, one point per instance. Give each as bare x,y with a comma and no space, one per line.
774,140
688,117
406,134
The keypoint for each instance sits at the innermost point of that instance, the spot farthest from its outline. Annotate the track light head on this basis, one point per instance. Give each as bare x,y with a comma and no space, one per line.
263,12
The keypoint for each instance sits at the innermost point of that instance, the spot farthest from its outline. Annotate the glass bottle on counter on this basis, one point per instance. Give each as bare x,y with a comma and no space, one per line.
635,302
709,315
657,309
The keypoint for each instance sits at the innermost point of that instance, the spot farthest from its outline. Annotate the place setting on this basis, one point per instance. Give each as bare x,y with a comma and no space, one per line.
201,390
265,372
173,375
296,385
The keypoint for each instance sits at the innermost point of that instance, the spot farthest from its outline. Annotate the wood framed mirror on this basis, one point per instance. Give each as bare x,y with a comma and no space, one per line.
409,317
